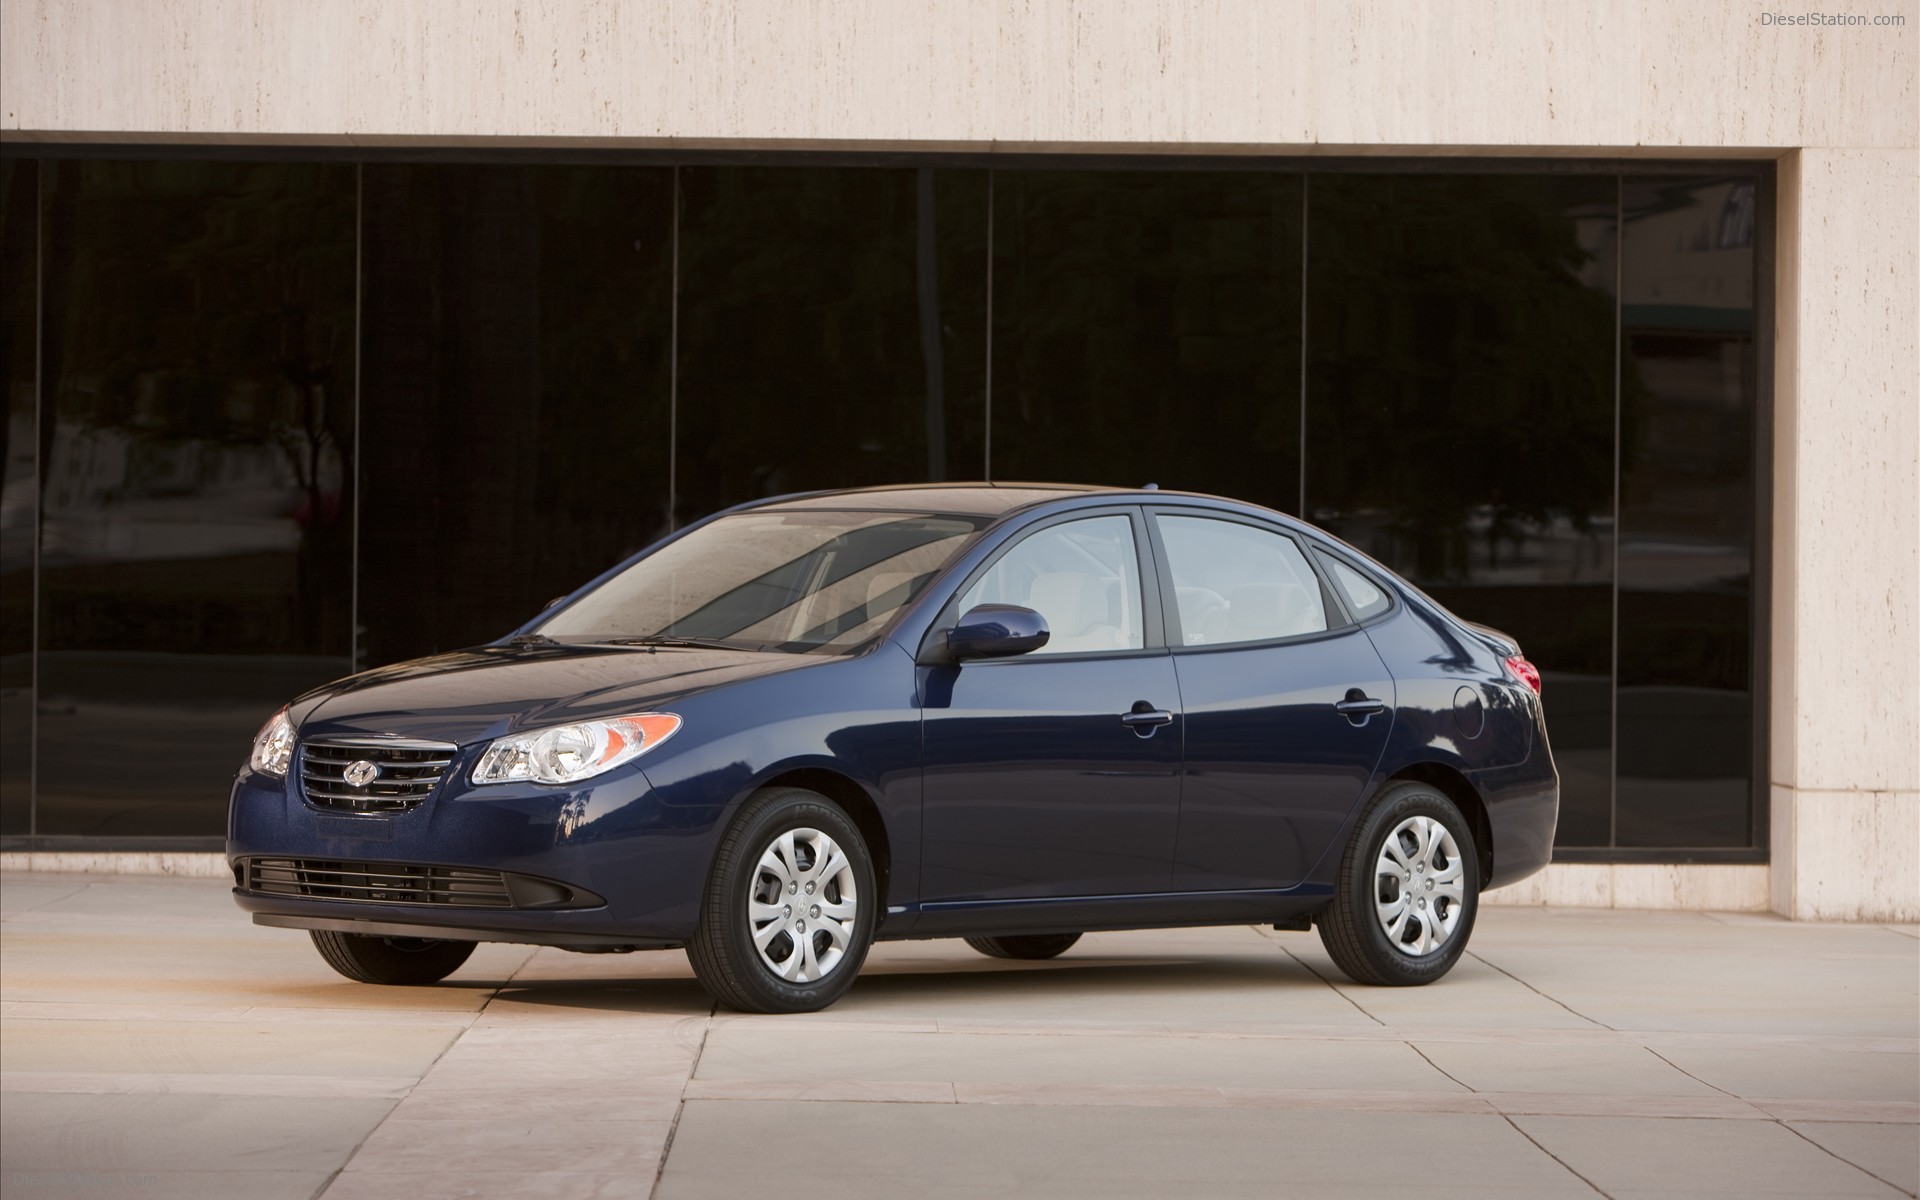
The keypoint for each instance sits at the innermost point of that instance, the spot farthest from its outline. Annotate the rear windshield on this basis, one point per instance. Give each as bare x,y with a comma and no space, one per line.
791,581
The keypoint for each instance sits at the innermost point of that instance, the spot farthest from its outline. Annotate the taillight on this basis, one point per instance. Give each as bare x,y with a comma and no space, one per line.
1524,672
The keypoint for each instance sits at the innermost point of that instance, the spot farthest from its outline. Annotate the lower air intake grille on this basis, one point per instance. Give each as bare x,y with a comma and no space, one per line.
378,883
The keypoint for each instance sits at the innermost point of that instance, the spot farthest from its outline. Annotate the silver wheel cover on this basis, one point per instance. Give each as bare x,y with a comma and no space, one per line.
802,905
1418,888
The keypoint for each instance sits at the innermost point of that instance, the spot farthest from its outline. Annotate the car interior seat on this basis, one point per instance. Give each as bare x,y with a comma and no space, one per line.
1196,605
1257,611
1082,611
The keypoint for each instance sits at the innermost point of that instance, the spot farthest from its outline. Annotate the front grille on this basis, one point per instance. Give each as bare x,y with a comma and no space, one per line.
405,774
378,883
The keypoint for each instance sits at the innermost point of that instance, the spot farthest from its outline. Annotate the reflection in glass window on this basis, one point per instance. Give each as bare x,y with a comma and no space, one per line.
1364,598
1146,327
516,331
19,499
196,563
793,581
832,330
1688,400
1082,576
1234,583
1460,419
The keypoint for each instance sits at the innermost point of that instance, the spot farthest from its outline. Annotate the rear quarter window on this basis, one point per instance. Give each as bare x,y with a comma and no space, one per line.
1365,596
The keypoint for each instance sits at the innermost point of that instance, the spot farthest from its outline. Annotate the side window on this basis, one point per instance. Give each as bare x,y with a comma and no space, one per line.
1364,597
1082,576
1236,583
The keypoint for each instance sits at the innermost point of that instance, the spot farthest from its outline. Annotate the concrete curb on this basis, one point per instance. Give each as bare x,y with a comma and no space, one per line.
122,862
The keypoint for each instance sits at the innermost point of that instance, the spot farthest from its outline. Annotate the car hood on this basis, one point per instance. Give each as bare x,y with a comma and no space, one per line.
472,695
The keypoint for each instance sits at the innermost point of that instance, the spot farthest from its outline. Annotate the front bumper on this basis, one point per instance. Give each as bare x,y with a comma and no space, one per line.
602,865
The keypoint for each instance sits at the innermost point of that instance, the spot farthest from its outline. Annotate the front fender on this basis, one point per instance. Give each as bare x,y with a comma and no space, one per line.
853,717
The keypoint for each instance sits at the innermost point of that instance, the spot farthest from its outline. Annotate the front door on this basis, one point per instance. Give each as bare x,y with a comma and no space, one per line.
1042,779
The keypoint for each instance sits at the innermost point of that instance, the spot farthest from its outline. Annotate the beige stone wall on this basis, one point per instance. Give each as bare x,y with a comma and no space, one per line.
1572,74
1846,630
1840,108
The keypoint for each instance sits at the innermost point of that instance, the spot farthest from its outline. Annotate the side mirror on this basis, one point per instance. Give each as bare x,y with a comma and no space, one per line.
997,631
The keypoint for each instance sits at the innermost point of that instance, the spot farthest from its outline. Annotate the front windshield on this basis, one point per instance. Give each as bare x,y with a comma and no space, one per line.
795,581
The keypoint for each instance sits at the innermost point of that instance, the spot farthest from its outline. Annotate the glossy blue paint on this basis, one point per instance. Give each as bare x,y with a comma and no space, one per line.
1272,770
1003,794
996,631
1035,786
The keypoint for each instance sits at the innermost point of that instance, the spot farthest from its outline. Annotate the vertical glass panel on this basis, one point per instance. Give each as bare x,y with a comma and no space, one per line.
1686,513
196,547
1081,576
1147,329
1234,583
515,420
19,501
1460,381
832,330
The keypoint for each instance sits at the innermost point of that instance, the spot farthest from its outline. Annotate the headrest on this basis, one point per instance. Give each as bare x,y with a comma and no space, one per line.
1070,601
1266,610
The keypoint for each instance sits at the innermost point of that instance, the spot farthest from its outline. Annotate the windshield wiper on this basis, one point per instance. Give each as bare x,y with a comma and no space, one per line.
531,639
669,639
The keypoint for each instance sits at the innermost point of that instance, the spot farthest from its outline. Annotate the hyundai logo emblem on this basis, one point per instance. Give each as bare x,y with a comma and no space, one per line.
360,773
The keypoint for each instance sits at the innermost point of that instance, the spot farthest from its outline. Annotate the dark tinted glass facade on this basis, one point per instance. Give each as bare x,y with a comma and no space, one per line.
1460,392
195,556
272,421
1687,453
1146,328
516,328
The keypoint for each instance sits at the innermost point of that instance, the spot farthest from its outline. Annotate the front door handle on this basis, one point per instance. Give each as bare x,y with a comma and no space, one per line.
1145,718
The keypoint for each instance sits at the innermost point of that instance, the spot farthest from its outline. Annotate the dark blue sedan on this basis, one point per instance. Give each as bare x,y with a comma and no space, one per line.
1008,713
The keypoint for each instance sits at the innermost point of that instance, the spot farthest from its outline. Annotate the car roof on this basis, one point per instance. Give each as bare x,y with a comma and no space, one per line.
967,499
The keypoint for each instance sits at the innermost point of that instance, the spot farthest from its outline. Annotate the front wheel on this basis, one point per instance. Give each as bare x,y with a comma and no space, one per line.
370,958
790,906
1407,893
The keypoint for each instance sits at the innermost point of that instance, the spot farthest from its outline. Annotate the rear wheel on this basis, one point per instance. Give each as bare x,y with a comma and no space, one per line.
370,958
790,906
1407,893
1025,945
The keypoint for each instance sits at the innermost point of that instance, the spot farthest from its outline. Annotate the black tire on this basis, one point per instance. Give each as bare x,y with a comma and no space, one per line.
1025,945
722,949
369,958
1351,928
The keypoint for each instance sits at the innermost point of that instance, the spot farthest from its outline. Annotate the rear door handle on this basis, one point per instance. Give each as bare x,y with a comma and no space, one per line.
1360,707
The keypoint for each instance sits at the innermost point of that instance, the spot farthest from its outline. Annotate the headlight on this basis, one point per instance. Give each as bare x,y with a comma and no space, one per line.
273,746
568,753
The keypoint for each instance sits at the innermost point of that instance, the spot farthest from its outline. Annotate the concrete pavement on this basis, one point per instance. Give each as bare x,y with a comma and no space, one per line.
154,1043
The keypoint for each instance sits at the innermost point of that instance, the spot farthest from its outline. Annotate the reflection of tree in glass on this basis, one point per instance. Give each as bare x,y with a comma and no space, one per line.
1147,328
1461,361
198,365
807,300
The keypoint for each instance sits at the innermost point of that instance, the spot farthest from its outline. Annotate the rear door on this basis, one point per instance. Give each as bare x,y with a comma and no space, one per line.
1287,706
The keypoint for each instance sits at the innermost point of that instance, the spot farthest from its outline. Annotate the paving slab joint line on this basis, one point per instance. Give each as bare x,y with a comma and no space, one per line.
1550,1154
1689,1074
492,995
1436,1066
1308,967
1536,991
673,1127
1830,1154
